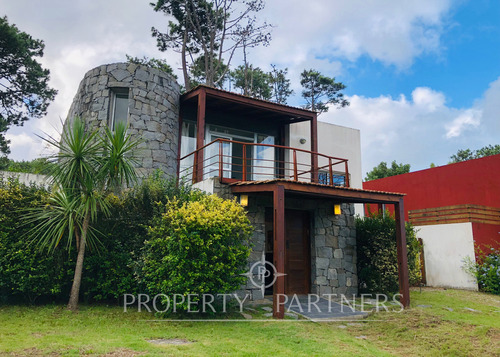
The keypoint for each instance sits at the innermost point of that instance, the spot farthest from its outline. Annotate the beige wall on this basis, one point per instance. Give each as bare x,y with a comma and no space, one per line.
446,246
333,140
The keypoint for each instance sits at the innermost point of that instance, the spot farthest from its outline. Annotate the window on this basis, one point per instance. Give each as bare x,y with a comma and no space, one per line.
188,145
338,178
119,107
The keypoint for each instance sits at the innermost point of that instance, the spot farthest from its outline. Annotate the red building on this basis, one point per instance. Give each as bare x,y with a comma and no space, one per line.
453,206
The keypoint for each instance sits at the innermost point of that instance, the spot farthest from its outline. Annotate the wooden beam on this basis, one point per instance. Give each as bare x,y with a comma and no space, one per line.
341,193
200,132
279,250
314,148
251,102
404,283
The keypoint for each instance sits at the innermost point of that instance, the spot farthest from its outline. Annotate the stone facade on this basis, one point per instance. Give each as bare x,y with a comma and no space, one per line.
153,109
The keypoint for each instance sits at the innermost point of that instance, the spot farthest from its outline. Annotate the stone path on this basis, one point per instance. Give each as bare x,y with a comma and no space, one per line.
323,310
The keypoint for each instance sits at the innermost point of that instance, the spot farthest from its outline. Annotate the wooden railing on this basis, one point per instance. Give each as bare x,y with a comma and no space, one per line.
233,161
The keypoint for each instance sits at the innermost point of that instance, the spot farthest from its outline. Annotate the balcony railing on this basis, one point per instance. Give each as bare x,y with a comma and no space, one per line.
233,161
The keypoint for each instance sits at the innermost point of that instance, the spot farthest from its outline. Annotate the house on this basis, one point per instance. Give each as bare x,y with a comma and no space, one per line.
453,207
299,178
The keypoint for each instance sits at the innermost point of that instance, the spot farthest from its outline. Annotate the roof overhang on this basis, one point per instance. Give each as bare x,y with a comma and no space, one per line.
312,190
217,99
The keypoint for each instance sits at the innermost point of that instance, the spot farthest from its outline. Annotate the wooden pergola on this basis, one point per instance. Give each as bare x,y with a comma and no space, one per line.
280,188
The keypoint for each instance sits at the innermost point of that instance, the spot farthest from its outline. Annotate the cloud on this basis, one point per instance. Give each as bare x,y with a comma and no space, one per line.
394,32
470,118
419,130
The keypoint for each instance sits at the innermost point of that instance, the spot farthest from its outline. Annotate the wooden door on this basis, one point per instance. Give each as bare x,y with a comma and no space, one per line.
297,262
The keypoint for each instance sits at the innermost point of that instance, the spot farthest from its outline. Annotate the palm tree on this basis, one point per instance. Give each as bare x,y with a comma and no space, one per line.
86,169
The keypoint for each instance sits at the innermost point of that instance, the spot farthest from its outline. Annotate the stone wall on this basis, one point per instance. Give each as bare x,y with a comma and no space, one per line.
333,261
153,109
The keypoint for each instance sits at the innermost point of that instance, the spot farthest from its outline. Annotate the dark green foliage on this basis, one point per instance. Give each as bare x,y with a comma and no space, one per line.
197,247
319,91
198,72
24,84
252,82
486,269
159,64
377,254
35,166
280,85
467,154
28,275
213,30
382,170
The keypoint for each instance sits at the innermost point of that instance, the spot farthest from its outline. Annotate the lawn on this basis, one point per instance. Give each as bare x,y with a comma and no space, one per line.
443,326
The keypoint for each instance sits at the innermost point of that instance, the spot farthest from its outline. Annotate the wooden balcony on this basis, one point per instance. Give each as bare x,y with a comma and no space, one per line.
234,161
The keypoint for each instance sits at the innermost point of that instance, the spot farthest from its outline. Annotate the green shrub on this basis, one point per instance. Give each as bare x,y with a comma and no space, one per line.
197,247
25,273
377,254
28,275
486,269
115,269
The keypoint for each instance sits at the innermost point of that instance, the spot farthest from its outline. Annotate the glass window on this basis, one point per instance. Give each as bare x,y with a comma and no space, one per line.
119,106
324,178
188,145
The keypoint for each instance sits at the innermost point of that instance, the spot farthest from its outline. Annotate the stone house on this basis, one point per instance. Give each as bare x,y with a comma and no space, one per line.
299,178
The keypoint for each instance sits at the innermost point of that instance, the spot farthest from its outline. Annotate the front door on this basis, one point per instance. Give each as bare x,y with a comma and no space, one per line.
297,261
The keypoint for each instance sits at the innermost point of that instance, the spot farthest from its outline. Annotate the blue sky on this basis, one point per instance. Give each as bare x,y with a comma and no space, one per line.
467,60
423,76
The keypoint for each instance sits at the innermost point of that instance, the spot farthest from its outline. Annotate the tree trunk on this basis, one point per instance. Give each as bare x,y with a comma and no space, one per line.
187,82
77,279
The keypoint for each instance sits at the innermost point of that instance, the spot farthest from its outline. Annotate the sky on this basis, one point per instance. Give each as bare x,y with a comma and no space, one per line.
422,76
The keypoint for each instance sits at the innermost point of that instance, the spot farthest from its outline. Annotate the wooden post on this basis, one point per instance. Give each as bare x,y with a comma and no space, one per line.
314,148
200,132
295,172
279,249
244,171
404,284
330,171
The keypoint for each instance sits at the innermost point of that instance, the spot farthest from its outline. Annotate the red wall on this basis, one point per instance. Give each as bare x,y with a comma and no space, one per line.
470,182
486,235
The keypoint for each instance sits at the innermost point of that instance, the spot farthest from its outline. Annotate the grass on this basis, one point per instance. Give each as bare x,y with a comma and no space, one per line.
419,331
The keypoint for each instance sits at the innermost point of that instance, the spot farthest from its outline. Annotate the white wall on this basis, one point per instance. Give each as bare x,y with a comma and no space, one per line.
445,247
40,180
333,140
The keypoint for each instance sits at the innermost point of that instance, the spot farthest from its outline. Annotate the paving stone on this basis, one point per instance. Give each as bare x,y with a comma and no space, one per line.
472,310
246,316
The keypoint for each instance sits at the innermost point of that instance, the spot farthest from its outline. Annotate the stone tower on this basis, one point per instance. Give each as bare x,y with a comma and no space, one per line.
146,98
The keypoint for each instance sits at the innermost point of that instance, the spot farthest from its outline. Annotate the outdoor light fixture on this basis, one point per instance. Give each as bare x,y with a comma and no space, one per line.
336,209
244,200
302,141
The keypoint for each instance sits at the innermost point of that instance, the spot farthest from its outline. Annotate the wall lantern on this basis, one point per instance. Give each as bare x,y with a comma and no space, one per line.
336,209
244,200
302,141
